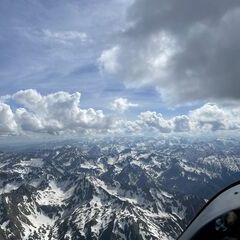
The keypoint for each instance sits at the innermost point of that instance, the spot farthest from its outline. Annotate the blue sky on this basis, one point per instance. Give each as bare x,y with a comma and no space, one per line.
153,56
30,59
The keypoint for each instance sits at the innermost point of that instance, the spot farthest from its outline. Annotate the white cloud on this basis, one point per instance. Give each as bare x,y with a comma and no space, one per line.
210,116
126,127
8,124
156,121
122,104
28,98
29,121
181,124
60,112
53,113
108,60
65,37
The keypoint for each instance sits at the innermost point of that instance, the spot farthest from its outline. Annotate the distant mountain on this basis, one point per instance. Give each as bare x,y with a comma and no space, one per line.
111,189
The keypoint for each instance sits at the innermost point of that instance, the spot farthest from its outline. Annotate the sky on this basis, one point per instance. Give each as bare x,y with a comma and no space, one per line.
88,67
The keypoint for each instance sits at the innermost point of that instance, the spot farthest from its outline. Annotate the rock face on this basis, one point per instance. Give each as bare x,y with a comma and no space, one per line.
111,189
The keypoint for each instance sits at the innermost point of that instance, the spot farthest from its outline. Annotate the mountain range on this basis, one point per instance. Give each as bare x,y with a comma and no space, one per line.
107,189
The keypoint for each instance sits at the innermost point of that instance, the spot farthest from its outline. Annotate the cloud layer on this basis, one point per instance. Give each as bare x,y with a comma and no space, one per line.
208,118
187,51
60,112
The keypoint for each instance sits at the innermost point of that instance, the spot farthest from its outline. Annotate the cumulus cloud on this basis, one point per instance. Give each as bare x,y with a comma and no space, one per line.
122,104
187,51
208,118
8,124
155,120
181,124
53,113
60,112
